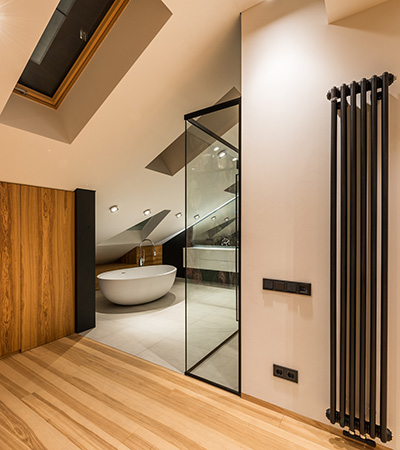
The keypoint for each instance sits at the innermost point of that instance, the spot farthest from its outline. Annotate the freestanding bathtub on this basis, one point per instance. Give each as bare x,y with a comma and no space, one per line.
136,285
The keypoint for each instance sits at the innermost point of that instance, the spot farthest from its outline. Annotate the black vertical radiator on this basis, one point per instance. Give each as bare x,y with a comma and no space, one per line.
359,258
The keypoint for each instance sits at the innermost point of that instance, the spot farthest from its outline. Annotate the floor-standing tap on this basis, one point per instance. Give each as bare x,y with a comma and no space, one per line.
142,257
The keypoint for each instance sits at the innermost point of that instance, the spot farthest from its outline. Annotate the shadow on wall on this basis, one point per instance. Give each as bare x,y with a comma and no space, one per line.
296,304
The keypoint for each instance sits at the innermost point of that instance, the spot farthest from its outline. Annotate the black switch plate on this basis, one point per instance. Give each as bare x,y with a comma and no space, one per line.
292,287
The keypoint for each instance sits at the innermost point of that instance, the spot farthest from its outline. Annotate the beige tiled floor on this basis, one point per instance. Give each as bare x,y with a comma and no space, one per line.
153,331
222,366
156,331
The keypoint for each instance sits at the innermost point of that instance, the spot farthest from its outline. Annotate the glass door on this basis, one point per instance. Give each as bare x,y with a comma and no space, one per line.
212,245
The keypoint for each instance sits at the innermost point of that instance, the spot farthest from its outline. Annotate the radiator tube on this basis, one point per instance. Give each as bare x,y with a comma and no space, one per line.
353,253
373,274
343,253
384,255
333,249
363,251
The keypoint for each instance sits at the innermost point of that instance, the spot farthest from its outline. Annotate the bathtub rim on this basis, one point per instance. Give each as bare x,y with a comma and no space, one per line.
173,269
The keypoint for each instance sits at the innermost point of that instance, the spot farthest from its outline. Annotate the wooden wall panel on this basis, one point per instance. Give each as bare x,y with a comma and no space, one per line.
132,257
10,288
47,265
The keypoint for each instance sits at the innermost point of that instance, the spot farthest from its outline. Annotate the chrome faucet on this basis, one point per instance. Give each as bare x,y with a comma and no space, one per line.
142,258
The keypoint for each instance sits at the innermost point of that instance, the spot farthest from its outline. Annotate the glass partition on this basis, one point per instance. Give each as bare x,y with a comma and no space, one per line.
212,245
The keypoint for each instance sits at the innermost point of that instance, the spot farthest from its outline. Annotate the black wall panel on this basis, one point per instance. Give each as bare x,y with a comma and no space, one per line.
85,300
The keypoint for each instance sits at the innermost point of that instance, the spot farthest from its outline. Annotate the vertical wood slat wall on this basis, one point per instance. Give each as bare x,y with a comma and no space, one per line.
10,311
133,256
43,259
47,265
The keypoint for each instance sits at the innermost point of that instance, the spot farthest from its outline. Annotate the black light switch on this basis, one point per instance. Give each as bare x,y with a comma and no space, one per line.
279,285
291,287
268,284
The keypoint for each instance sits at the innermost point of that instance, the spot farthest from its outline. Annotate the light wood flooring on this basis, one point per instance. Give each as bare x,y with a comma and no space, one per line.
75,393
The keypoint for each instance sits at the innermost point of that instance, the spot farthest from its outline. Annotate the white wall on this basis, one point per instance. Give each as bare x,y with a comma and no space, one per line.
291,58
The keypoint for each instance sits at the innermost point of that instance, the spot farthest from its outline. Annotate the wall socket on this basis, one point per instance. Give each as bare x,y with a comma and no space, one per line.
285,373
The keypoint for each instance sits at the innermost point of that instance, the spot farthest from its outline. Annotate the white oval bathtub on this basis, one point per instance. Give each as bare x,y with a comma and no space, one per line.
136,285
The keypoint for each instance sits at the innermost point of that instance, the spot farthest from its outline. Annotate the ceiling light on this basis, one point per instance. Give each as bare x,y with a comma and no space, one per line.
196,217
213,218
113,208
226,219
216,149
146,212
235,159
177,215
221,154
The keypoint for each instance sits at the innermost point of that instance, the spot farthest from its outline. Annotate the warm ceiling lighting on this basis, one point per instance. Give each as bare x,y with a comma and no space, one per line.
216,149
113,208
221,154
178,215
226,219
235,159
213,218
196,217
147,212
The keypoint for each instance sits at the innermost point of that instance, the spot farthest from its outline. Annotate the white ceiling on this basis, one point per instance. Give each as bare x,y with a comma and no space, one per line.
191,63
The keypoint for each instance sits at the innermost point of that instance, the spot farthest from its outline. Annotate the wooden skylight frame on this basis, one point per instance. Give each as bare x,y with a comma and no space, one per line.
82,61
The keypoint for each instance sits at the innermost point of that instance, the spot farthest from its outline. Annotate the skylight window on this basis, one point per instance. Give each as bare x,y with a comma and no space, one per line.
51,31
75,31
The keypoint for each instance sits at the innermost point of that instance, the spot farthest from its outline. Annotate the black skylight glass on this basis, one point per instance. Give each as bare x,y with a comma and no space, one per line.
70,28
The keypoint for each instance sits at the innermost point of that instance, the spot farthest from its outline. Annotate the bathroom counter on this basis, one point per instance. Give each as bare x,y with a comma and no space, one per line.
213,257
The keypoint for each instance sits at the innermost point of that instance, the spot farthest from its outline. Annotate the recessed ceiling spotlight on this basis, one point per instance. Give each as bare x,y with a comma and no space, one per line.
146,212
213,218
226,219
221,154
196,217
177,215
113,208
235,159
216,149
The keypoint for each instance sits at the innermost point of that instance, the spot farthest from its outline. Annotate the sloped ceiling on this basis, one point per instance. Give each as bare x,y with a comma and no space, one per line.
192,62
339,9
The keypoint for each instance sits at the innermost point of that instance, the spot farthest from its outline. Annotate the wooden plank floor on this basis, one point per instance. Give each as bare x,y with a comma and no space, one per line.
75,393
